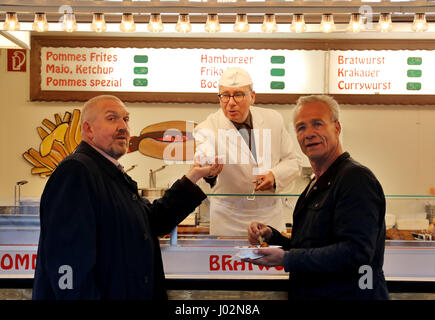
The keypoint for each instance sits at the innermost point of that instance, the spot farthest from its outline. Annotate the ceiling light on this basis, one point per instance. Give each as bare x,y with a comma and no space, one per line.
355,23
98,23
298,23
155,24
127,23
69,23
11,22
40,23
183,24
385,24
241,24
269,23
212,24
419,24
327,25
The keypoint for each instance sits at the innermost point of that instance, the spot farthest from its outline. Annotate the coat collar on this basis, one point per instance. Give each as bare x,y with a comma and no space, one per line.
326,179
226,124
257,119
104,163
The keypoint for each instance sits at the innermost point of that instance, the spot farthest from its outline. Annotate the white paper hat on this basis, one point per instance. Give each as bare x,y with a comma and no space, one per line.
235,77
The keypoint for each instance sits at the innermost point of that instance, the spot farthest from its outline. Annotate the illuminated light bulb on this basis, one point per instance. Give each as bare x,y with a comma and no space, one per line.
40,23
155,24
212,24
355,23
183,23
269,23
241,24
419,24
127,23
69,23
385,24
11,22
98,23
327,25
298,24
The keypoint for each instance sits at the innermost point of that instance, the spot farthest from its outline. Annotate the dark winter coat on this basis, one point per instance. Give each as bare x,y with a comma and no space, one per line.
94,222
336,250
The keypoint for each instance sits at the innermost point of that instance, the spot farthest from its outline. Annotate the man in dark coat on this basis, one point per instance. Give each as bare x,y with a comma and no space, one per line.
336,250
98,237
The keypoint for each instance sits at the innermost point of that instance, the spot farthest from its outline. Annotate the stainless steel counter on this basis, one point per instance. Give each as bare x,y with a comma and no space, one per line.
213,258
205,257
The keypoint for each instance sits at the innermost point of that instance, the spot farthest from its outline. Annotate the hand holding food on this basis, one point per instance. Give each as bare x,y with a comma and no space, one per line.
262,243
264,181
257,230
198,171
272,257
216,168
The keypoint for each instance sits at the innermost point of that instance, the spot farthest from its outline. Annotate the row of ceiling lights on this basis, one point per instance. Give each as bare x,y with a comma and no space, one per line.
69,24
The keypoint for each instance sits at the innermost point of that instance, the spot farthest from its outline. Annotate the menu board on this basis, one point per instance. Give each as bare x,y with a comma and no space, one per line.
382,72
178,70
273,71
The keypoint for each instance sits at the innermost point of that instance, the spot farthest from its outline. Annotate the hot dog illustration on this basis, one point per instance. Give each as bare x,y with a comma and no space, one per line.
169,140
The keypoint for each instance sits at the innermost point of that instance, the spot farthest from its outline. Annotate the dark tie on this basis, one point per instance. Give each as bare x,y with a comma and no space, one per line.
246,132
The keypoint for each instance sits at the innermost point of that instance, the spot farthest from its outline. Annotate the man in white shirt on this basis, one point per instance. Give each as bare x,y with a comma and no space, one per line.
257,153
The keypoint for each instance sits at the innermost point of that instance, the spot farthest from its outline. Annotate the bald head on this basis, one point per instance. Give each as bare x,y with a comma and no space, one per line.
94,105
104,124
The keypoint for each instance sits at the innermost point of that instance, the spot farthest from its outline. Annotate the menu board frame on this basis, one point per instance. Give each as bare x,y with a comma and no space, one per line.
37,42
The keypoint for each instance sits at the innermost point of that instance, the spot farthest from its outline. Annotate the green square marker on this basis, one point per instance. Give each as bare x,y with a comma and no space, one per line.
140,70
140,59
414,73
415,61
277,85
277,72
140,82
277,59
413,86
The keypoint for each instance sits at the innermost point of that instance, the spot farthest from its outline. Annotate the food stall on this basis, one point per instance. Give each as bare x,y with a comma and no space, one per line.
194,259
169,77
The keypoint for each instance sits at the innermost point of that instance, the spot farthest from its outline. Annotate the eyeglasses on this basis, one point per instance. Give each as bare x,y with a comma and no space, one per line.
238,97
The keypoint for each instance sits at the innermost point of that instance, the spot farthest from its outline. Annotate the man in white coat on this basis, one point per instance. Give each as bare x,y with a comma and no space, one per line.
258,157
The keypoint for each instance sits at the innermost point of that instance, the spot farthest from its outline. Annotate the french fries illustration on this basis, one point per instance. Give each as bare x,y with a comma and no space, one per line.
58,140
61,137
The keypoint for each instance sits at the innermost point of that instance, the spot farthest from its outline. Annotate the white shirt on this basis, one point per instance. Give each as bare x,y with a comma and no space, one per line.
108,157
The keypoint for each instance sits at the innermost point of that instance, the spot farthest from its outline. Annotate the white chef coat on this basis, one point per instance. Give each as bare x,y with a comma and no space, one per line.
230,214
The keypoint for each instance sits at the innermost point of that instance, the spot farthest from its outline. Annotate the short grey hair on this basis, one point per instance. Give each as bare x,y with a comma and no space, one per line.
332,104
